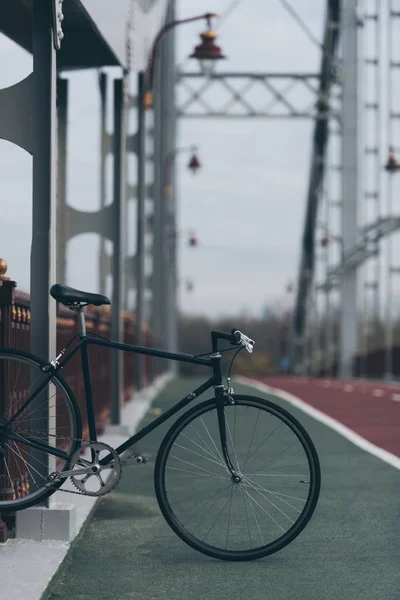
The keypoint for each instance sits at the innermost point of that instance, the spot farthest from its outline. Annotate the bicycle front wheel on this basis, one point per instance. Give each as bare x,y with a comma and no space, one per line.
30,428
279,479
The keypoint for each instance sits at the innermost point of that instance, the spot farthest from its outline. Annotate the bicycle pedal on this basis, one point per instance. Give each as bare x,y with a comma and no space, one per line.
135,460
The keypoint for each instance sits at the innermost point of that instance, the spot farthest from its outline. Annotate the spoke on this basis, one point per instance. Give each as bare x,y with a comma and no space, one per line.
36,471
206,450
266,439
17,463
189,498
277,496
263,509
209,435
26,464
270,501
39,407
27,402
205,443
205,502
229,519
196,473
216,519
197,454
197,467
9,476
245,492
16,392
247,516
252,437
274,475
283,459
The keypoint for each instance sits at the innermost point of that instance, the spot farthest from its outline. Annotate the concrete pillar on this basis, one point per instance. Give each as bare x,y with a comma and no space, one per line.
140,223
118,248
43,250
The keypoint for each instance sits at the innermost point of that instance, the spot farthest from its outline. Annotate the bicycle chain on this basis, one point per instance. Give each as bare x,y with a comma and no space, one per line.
63,437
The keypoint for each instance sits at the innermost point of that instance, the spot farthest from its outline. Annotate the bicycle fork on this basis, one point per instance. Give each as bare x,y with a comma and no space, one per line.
236,478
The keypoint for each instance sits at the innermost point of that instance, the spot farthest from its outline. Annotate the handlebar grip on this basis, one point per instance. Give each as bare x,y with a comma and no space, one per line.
236,336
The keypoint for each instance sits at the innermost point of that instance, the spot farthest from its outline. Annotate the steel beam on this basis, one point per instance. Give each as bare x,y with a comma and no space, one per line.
279,103
317,171
350,187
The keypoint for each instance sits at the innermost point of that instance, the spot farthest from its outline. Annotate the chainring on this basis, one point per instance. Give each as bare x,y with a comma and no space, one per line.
88,483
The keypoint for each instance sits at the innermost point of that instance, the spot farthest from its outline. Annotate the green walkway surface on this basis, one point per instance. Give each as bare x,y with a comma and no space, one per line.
350,549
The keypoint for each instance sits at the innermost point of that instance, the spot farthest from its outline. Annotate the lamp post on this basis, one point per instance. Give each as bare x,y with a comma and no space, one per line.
163,204
168,271
207,52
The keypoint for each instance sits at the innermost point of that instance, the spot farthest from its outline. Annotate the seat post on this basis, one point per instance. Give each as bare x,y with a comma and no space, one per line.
81,322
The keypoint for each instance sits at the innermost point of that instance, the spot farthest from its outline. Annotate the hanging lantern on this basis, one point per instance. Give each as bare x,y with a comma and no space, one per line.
194,164
193,241
392,162
324,241
207,53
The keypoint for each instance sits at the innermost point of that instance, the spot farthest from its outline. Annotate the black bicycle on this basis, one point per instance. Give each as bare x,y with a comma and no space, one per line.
236,477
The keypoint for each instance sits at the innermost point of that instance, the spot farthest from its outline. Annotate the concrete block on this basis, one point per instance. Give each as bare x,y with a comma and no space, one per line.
59,522
28,524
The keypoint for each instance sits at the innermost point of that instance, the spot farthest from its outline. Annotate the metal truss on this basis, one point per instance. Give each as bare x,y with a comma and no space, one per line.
237,95
365,249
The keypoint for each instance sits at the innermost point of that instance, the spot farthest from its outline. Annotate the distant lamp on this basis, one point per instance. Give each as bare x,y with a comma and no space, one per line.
194,164
324,241
208,53
392,164
193,241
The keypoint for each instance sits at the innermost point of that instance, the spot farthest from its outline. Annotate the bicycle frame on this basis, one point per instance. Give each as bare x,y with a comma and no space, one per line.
85,341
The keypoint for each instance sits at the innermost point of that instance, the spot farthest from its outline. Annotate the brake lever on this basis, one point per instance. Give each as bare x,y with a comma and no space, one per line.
249,347
248,343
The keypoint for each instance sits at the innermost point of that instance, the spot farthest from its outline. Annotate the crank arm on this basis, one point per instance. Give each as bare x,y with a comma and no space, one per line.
84,471
134,460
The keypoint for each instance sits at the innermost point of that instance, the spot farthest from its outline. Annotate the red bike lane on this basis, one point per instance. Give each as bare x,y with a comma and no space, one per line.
370,409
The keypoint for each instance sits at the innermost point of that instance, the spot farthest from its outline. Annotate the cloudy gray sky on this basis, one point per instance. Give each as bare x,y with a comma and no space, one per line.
247,202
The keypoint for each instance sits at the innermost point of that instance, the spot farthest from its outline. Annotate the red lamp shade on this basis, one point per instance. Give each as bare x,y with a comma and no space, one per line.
207,52
324,241
194,163
193,241
392,163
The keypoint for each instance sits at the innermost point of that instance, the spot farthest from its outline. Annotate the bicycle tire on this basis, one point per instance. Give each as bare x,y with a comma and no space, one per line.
26,501
162,493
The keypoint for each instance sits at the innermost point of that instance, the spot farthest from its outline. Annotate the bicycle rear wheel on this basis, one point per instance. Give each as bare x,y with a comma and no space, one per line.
267,509
52,418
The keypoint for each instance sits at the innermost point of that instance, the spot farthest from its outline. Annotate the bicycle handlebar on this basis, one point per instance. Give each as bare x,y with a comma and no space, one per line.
236,338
